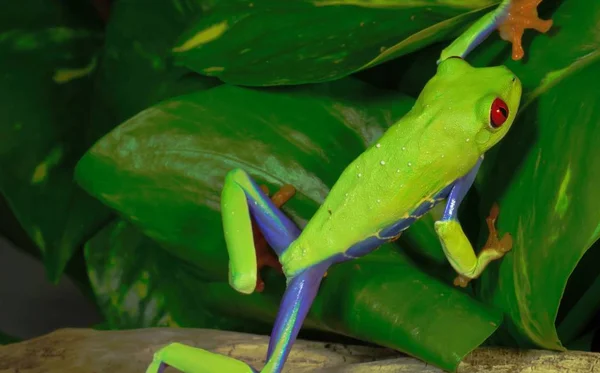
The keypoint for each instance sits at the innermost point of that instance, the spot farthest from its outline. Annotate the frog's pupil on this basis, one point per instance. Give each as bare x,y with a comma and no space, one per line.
499,113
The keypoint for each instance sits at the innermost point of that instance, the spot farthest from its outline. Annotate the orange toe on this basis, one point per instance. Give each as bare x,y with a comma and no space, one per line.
522,15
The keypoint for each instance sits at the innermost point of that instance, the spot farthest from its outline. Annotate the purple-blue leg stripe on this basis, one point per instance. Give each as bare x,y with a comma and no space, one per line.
459,191
499,16
276,227
371,243
297,300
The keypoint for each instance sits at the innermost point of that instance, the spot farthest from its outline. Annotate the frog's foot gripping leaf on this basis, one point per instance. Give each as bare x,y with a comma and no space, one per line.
243,202
522,15
494,247
265,256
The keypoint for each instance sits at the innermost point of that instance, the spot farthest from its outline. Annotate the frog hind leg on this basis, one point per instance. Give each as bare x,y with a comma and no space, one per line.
265,256
297,300
189,359
241,200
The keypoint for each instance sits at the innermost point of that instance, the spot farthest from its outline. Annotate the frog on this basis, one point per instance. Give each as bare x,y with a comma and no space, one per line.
429,156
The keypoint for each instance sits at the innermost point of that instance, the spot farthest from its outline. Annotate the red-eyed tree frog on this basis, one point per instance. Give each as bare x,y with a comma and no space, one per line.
430,155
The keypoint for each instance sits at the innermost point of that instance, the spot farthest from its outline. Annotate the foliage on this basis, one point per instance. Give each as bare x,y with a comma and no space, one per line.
115,141
7,339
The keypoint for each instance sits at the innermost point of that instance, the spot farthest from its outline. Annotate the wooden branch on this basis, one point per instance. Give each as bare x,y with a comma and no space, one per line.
130,351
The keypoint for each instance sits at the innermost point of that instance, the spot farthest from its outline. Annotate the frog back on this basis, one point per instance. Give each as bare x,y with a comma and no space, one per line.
407,167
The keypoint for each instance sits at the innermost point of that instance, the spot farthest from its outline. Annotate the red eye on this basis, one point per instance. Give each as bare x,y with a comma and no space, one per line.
499,113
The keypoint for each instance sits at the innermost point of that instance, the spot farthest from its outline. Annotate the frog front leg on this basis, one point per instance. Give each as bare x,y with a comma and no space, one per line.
522,15
511,18
455,243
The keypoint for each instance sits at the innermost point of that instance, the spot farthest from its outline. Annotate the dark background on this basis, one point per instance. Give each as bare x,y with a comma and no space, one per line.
30,305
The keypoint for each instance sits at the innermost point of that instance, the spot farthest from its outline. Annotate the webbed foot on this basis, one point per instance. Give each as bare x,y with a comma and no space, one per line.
494,247
265,256
522,15
189,359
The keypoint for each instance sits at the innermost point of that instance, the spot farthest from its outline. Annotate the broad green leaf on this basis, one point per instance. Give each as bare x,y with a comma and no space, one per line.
138,284
569,47
269,42
7,339
582,313
136,70
579,304
41,14
545,174
305,137
367,298
45,90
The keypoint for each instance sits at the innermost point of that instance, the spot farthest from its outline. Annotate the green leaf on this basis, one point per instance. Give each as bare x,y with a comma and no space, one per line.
163,170
136,69
545,174
306,137
137,284
369,297
581,314
7,339
42,14
580,301
45,94
269,42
